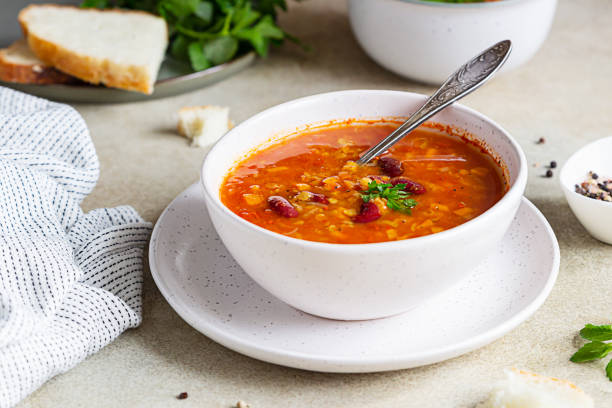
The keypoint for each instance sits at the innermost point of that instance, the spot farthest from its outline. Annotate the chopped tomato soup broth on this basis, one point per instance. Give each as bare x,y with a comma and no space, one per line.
309,187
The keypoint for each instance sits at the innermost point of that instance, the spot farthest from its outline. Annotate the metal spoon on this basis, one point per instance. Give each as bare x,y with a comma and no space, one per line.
465,80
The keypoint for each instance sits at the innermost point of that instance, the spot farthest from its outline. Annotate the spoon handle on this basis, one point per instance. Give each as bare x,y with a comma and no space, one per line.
462,82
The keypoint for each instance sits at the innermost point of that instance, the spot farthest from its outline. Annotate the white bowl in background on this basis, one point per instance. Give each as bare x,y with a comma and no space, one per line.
427,41
358,281
594,215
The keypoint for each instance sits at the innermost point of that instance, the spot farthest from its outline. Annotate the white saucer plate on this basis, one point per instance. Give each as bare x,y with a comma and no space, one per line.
201,281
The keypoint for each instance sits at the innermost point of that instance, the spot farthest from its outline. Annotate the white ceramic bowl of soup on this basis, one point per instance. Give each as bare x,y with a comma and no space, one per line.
358,281
427,41
594,215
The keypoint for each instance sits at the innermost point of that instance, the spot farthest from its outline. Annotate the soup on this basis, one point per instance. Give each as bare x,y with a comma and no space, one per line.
309,186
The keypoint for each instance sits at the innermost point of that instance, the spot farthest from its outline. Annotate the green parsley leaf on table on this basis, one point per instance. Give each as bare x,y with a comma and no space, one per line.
206,33
597,333
591,351
397,198
597,348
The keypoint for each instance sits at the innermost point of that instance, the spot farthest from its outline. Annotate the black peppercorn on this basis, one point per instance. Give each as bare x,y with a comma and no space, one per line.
549,173
553,164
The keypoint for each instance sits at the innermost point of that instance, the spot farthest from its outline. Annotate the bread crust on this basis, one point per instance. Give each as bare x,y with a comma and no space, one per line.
31,73
87,68
68,6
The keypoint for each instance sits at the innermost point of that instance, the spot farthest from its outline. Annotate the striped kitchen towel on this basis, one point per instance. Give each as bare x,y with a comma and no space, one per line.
70,282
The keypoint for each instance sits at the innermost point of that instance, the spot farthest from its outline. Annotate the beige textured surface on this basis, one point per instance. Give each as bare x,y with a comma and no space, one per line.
562,95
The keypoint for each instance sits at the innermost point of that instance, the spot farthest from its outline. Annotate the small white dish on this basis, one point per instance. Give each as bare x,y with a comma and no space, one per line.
427,41
207,288
359,281
594,215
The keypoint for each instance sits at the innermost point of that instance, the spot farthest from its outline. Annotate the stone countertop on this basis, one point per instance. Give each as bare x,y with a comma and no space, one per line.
563,95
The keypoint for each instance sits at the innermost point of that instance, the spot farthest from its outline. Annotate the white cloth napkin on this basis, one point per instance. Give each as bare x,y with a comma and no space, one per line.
70,282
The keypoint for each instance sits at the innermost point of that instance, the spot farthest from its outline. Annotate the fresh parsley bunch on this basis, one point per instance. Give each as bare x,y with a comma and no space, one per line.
210,32
597,348
396,196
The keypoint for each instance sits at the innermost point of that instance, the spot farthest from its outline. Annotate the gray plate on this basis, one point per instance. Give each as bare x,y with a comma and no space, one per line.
174,78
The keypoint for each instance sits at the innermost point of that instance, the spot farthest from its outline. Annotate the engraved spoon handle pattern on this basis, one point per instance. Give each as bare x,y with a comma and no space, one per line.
465,80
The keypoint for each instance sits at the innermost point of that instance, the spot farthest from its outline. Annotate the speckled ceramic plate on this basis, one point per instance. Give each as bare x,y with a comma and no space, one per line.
201,281
174,78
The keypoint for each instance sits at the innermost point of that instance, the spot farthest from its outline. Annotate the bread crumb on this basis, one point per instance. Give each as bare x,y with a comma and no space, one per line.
204,125
242,404
523,389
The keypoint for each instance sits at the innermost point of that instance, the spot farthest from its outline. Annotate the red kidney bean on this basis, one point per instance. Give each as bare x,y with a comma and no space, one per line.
319,198
390,166
378,179
282,207
411,186
369,212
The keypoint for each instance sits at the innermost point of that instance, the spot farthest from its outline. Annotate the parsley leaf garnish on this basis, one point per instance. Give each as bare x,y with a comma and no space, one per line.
597,348
396,196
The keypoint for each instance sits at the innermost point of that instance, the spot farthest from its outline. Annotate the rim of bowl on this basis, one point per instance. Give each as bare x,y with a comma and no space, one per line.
521,180
569,189
480,4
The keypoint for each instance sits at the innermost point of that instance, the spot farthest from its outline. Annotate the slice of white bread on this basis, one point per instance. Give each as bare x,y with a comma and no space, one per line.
19,64
523,389
120,49
204,125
